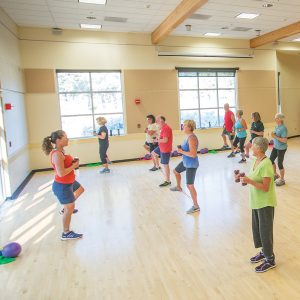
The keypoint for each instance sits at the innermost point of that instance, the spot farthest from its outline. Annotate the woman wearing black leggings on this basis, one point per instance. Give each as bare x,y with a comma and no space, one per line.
280,147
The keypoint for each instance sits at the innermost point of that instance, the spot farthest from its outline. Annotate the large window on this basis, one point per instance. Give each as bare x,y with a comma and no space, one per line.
203,93
84,96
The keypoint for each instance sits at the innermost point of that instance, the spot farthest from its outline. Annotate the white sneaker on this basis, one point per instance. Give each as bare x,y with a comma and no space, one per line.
280,182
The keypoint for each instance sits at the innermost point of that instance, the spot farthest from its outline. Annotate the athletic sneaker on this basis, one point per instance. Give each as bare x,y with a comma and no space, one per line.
75,211
71,235
231,155
279,182
175,189
104,170
276,176
265,266
224,147
154,169
166,183
247,156
237,152
243,160
257,258
193,209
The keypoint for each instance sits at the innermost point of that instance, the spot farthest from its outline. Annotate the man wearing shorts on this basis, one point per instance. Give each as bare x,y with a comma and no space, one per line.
164,149
229,121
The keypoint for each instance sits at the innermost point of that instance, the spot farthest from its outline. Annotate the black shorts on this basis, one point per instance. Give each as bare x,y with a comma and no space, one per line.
229,134
151,145
190,173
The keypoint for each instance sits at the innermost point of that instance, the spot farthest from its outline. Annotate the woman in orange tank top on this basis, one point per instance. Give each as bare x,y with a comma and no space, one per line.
65,187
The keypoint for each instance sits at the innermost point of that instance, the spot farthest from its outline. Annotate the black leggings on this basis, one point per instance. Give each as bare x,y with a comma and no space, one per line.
102,152
241,141
280,154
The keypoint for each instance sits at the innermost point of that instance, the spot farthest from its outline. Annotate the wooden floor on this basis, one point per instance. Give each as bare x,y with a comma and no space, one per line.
140,244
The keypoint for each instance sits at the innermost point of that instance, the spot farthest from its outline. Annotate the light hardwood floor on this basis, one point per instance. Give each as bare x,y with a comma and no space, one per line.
140,244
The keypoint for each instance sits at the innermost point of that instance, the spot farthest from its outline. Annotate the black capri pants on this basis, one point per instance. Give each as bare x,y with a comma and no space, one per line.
262,229
102,152
278,154
241,141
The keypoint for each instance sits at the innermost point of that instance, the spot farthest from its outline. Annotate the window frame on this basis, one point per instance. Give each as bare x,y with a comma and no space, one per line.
91,93
197,71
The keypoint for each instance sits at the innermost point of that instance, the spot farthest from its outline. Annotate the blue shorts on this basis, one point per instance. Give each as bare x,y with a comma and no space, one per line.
164,157
65,192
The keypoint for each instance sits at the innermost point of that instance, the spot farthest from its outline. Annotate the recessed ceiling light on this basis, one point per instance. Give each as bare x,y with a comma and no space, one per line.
267,5
188,27
212,34
103,2
296,40
247,16
90,26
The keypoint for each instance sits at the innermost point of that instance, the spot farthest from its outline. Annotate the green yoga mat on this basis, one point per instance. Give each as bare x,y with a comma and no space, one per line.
94,165
212,151
6,260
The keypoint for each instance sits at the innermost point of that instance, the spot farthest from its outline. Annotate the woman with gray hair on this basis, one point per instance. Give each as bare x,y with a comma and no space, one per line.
262,202
280,147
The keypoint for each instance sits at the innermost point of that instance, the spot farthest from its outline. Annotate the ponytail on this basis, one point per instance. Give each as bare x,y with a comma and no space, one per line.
48,141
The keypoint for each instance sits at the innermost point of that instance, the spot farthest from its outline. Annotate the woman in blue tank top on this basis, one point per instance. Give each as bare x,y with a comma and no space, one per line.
189,163
241,134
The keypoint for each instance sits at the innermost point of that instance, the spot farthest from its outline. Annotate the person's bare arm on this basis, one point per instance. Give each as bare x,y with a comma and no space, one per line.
102,135
58,161
264,186
193,148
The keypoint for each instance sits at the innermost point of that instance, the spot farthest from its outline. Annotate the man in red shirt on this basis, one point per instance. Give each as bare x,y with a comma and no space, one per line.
164,149
229,121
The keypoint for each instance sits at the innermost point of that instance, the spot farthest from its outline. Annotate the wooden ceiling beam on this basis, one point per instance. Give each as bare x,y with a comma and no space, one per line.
184,9
275,35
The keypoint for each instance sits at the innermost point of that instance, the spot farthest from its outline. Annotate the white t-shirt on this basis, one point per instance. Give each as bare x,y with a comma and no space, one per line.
152,127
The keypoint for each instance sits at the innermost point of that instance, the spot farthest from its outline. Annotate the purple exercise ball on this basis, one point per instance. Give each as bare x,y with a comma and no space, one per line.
204,151
11,250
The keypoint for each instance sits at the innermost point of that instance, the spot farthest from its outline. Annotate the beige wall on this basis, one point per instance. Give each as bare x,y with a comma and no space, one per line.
257,92
289,68
146,76
158,92
76,49
15,152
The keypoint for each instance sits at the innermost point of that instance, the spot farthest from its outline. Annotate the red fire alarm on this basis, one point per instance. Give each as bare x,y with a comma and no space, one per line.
137,101
8,106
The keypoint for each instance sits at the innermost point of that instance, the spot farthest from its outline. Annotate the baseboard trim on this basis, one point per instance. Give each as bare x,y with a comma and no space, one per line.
18,191
21,187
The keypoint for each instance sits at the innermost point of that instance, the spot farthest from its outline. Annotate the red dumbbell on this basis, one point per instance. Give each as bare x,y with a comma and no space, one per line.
237,175
243,175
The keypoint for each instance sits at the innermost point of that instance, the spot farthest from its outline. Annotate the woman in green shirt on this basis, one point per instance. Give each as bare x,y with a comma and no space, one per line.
262,202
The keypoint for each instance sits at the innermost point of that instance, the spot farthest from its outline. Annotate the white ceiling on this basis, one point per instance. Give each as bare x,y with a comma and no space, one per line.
68,14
